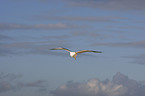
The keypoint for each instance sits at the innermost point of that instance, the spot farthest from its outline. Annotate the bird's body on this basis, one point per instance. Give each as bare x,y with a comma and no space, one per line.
74,54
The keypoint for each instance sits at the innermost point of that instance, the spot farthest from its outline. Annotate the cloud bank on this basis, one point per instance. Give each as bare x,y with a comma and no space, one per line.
120,85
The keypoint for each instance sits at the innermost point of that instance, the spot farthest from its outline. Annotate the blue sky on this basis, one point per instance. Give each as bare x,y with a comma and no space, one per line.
29,28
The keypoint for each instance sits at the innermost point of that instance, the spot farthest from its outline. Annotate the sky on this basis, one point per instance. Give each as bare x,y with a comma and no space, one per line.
29,28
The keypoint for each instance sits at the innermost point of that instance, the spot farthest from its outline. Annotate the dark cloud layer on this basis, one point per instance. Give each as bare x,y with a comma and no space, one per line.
120,85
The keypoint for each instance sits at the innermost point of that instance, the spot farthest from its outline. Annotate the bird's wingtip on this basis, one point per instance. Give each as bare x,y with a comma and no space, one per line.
52,49
97,51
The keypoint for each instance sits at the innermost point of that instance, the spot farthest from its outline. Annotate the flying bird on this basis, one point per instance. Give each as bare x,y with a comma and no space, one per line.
74,54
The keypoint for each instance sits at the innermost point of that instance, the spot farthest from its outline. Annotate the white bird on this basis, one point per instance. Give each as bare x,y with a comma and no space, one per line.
74,54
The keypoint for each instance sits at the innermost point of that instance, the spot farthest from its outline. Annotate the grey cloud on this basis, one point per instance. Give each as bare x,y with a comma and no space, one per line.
8,26
6,52
9,77
120,85
140,44
4,37
6,81
10,49
103,4
139,59
21,48
5,86
37,47
10,82
39,83
110,4
86,33
80,18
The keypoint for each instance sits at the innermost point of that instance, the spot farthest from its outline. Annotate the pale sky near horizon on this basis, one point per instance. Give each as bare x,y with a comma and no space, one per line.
29,28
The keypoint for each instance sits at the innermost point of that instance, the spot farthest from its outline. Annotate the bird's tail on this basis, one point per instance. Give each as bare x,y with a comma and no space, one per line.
75,56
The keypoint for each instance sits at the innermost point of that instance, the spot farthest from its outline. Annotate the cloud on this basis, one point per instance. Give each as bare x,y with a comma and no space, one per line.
10,82
140,44
4,37
21,48
120,85
86,33
80,18
33,47
6,81
110,4
6,52
39,85
8,26
139,59
16,48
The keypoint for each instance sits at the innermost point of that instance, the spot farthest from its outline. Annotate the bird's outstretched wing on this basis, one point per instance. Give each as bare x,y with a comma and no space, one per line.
82,51
60,49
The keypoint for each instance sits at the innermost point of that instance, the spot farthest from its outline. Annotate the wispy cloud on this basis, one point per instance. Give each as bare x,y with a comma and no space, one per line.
120,85
138,59
80,18
21,48
11,82
6,81
5,52
4,37
140,44
86,33
42,47
110,4
9,26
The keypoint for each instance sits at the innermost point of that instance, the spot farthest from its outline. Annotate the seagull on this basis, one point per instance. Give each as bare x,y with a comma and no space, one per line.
74,54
